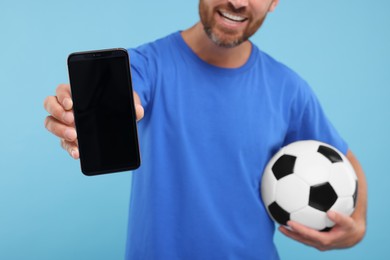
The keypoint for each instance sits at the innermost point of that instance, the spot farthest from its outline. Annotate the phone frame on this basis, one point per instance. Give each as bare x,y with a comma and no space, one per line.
101,54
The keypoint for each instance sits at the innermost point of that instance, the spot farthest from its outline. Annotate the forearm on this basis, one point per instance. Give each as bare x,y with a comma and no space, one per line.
360,213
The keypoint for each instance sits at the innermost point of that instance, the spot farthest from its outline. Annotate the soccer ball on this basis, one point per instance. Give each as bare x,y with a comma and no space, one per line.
304,180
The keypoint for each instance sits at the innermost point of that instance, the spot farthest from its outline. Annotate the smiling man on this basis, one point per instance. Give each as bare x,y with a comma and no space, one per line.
214,109
229,24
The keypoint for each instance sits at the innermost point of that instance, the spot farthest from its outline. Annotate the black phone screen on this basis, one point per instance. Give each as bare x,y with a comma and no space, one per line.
104,111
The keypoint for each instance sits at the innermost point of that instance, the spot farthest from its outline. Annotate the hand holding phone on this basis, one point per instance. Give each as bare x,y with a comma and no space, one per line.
60,120
104,111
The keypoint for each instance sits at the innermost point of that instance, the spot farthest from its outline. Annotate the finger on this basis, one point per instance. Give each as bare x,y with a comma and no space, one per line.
59,129
55,109
340,219
291,234
64,96
139,110
306,232
321,243
71,148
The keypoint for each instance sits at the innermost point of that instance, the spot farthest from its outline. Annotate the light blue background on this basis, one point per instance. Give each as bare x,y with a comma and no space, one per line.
49,210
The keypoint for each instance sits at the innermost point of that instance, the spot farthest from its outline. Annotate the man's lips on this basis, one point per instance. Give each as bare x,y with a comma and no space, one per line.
232,17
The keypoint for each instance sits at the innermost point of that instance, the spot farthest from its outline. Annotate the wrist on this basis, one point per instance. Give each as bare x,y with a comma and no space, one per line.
360,230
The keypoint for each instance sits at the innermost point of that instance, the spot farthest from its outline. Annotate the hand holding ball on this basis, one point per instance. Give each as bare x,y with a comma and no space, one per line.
304,180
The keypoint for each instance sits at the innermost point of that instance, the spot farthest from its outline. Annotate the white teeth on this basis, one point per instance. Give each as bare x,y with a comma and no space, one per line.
233,17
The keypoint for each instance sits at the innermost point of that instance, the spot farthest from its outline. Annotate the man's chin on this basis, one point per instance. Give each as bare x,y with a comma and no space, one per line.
224,41
228,44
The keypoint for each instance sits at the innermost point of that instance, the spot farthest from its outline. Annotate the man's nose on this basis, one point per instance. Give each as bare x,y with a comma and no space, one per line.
237,4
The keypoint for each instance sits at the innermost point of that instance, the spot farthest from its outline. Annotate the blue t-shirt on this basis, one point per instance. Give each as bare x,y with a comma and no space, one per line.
206,137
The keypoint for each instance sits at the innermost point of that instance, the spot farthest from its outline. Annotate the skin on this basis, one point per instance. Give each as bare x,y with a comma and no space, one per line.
224,43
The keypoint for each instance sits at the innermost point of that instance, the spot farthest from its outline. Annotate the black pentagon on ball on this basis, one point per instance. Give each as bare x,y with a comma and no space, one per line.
284,166
330,154
327,229
354,196
322,196
278,213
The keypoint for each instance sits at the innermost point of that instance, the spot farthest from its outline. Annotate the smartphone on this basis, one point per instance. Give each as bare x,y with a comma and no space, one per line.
104,111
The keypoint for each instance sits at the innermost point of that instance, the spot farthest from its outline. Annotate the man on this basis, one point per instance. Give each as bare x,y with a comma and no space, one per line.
214,109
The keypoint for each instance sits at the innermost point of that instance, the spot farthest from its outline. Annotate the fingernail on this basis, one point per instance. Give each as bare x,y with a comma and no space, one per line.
331,214
67,103
290,225
76,153
68,117
70,134
289,228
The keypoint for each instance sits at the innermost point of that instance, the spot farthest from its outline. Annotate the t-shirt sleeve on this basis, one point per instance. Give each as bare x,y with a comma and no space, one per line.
309,122
142,75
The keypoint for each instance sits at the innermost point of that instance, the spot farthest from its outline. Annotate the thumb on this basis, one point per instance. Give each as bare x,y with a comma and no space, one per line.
340,219
139,110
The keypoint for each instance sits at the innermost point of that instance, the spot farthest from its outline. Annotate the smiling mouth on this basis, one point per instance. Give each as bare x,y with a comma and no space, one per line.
232,17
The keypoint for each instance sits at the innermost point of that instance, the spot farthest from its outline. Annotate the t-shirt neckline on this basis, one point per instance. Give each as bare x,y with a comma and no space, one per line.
216,69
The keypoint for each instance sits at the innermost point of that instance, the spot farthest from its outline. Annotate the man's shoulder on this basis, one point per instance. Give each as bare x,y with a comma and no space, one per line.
280,77
149,55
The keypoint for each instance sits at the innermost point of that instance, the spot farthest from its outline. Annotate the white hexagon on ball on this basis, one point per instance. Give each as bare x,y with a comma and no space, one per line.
292,193
312,168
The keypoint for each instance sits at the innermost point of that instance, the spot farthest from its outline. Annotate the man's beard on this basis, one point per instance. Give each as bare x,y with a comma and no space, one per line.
223,42
221,36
